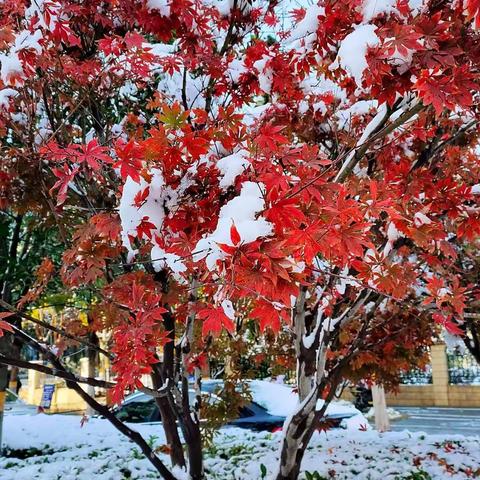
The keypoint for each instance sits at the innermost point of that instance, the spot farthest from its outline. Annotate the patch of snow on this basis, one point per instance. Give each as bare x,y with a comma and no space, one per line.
304,33
20,118
98,450
453,342
11,68
223,6
152,208
372,8
358,109
26,40
252,114
162,259
242,211
6,94
35,14
351,55
161,6
128,90
391,413
420,219
416,6
171,85
235,69
228,309
160,49
281,400
232,166
392,236
265,74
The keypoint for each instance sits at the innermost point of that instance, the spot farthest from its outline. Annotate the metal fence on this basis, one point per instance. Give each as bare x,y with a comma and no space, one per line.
417,376
463,368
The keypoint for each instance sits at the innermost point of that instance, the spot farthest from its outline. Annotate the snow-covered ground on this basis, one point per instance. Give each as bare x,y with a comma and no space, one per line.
97,451
391,413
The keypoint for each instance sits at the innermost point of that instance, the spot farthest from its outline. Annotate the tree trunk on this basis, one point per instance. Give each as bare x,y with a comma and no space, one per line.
165,372
190,417
91,364
192,435
169,423
300,427
195,453
382,423
91,373
170,427
298,432
471,338
311,357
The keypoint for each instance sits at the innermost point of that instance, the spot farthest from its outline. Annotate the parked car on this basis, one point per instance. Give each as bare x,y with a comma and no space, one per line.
271,404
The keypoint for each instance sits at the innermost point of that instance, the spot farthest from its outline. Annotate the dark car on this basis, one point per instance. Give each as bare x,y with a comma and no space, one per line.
141,408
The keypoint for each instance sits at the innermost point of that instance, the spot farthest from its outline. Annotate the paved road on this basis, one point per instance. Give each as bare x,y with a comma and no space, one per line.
464,421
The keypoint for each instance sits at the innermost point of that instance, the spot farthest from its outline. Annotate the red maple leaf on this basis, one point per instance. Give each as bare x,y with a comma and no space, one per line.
214,319
107,225
145,228
65,175
270,19
129,160
450,326
270,138
141,196
234,235
93,154
285,213
197,361
268,316
5,325
195,145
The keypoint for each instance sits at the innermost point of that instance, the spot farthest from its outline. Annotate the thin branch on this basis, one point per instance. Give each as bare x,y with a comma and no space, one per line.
101,409
16,362
66,375
60,331
377,135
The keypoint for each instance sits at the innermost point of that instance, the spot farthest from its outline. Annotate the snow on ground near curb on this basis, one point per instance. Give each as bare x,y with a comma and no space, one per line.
391,413
98,451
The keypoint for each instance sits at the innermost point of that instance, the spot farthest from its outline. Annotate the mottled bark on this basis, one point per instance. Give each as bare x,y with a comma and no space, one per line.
190,416
167,413
310,350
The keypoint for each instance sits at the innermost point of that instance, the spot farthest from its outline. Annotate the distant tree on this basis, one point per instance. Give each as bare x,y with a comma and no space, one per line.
466,329
25,241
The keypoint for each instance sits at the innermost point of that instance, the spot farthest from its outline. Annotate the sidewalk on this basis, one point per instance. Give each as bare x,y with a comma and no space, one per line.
464,421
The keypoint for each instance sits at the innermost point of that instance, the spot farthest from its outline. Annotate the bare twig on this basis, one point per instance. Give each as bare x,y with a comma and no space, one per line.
60,331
